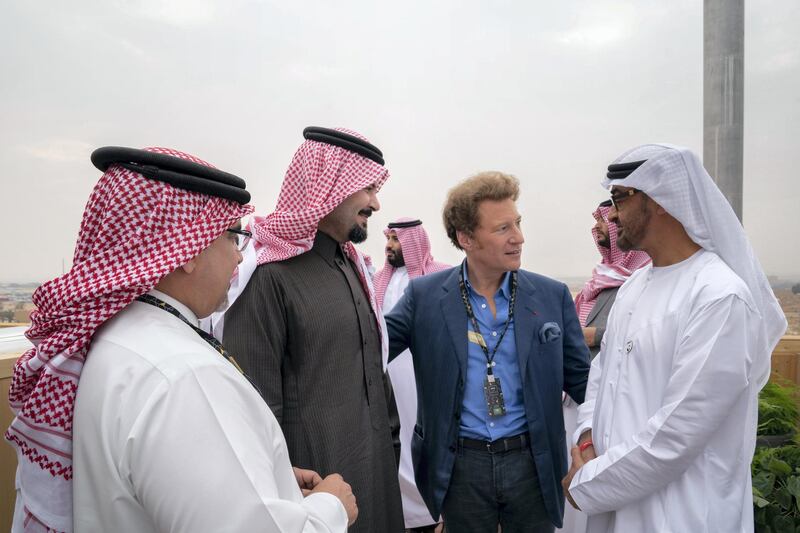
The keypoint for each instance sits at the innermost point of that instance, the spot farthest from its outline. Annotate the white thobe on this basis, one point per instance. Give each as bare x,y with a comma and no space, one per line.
169,436
671,405
401,372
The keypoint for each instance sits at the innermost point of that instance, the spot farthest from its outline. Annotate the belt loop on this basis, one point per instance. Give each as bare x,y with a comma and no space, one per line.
489,447
505,444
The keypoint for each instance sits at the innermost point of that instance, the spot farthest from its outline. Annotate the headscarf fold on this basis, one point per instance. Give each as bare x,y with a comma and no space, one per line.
134,232
675,178
320,177
416,248
615,267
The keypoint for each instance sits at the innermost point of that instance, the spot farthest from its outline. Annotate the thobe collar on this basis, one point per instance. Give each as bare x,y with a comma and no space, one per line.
505,285
675,266
399,271
182,308
327,248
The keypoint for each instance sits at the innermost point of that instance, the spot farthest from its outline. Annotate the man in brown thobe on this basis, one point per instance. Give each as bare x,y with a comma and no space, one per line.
305,330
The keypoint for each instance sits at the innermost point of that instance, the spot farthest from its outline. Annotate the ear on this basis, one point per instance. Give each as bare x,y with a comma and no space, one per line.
190,265
464,240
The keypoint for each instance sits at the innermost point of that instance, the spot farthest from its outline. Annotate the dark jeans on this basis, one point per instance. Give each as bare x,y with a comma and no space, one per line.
490,489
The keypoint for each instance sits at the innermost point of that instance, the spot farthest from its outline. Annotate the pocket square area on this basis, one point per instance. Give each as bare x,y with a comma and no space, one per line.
550,332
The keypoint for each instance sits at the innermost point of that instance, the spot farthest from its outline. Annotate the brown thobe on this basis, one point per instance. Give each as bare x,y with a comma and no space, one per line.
304,331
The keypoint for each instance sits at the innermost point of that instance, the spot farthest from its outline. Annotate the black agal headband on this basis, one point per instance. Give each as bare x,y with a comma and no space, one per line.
344,140
407,224
620,171
178,172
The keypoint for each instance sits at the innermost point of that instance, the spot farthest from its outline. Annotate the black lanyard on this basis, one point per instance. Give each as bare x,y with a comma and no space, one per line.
471,315
210,339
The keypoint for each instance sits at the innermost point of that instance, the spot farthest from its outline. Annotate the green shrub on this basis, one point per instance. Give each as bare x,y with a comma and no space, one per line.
776,471
776,489
777,409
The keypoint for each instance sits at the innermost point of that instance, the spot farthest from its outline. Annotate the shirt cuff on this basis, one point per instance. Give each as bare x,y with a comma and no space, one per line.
598,336
578,489
328,509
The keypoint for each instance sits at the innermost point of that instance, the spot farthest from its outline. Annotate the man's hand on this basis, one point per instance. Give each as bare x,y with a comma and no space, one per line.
588,454
577,463
306,479
334,484
589,335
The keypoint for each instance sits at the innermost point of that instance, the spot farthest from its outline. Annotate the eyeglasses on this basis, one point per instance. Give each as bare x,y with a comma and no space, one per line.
616,199
242,238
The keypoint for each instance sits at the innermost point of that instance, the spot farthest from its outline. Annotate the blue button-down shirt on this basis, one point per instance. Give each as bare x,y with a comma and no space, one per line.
475,420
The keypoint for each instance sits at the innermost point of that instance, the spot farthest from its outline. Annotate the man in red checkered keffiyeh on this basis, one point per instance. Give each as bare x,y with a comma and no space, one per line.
306,325
134,232
613,270
407,246
593,304
408,256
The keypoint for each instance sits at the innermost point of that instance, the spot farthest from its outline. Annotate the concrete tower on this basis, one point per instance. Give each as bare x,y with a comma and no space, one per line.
723,96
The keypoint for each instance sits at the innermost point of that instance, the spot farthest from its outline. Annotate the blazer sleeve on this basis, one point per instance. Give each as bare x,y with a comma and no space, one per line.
576,354
399,323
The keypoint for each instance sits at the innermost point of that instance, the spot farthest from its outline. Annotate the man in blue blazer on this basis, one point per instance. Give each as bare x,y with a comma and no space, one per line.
493,347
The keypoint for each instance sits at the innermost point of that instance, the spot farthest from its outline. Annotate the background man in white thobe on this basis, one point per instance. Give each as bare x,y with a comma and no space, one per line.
408,256
667,432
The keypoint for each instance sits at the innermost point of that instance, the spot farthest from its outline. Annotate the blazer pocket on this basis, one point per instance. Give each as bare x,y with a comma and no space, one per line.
418,432
550,332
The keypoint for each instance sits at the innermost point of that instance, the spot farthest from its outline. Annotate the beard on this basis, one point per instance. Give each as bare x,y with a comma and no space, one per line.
632,234
604,241
357,234
396,259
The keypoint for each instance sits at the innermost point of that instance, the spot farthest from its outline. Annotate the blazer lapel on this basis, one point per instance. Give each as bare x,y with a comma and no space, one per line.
599,304
526,324
455,317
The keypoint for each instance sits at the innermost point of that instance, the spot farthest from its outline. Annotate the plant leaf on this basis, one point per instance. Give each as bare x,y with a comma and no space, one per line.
764,482
793,486
778,467
784,499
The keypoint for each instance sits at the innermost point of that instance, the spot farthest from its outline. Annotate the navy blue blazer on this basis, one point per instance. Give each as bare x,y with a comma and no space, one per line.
430,319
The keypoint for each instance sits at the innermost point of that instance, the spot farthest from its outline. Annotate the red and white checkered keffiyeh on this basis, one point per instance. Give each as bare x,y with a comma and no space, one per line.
416,248
320,177
614,269
134,232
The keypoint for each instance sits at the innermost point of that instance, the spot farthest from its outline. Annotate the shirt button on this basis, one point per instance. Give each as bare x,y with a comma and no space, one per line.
483,306
491,424
494,334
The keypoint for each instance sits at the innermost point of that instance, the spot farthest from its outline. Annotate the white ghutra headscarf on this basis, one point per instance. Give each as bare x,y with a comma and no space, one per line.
675,178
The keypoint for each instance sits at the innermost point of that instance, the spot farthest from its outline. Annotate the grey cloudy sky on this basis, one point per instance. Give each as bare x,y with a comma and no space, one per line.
548,91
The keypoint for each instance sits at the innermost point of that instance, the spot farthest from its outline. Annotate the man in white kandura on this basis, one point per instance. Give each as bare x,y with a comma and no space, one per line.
167,433
667,432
